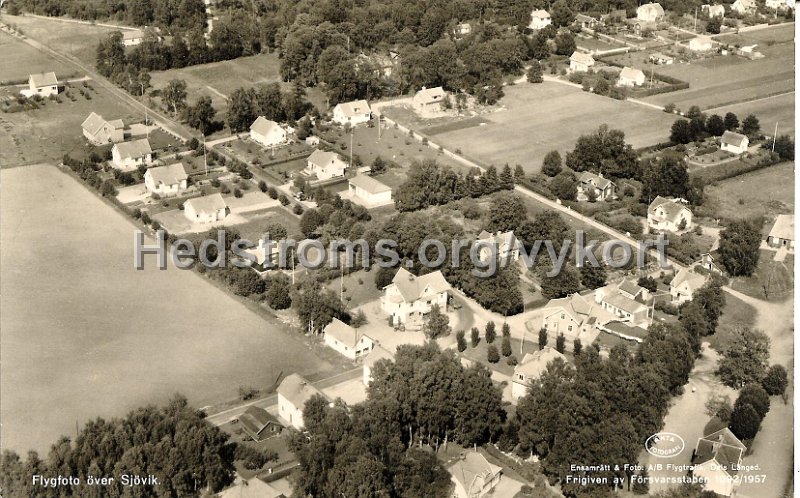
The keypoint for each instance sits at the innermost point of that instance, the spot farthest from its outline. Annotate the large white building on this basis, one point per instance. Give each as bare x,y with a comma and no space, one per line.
429,99
267,133
684,284
355,112
293,393
630,77
127,156
99,131
42,84
166,180
324,165
580,62
369,192
346,340
733,142
473,476
540,19
408,298
504,244
670,215
206,209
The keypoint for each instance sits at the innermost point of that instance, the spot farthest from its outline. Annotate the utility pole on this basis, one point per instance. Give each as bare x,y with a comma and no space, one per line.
775,136
695,19
351,147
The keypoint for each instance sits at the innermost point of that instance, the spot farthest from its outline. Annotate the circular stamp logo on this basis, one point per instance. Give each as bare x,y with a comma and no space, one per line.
664,444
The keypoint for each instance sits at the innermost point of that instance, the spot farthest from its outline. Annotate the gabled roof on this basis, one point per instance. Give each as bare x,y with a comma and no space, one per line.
255,419
722,447
132,34
672,207
534,364
207,204
624,303
93,123
655,7
369,184
576,305
500,238
783,227
630,287
44,79
377,354
596,180
264,126
321,158
625,331
429,95
692,279
412,287
134,149
540,14
168,175
582,58
582,18
733,138
252,488
297,390
746,4
473,471
343,333
354,108
629,73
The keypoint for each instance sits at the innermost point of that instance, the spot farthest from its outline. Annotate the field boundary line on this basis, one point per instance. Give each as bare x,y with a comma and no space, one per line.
748,101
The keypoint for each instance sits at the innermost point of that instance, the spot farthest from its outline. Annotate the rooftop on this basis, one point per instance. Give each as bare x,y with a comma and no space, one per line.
473,467
733,138
207,204
354,108
264,126
783,227
44,79
534,364
297,390
369,184
168,175
343,333
412,287
134,149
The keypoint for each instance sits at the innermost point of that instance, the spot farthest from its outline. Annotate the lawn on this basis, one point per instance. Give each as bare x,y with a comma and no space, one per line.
19,60
772,280
535,119
733,198
736,315
112,338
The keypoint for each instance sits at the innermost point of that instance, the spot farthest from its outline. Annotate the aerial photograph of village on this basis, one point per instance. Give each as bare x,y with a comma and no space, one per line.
397,248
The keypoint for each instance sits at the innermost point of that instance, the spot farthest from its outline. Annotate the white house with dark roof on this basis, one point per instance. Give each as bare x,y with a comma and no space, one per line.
540,19
377,354
166,180
368,191
99,131
580,62
630,77
324,165
505,245
127,156
355,112
650,12
259,424
429,99
669,215
684,284
532,366
346,340
717,459
42,84
206,209
473,476
733,142
409,297
782,232
590,184
293,392
267,133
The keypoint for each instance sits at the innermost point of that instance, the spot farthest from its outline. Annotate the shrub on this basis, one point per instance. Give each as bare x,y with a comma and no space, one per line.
492,356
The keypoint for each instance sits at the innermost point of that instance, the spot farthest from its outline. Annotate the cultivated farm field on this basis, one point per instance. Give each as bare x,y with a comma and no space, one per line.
733,198
535,119
112,338
18,60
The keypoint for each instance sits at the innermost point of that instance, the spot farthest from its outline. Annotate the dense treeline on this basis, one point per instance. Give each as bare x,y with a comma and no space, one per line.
378,448
168,14
173,443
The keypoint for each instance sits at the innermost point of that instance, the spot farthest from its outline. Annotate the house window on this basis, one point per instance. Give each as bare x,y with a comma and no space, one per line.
562,316
569,328
521,377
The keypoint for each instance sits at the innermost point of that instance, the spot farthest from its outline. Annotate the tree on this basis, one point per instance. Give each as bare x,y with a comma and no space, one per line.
506,212
378,166
491,332
461,341
739,248
715,125
681,132
475,336
438,324
750,126
383,277
775,381
505,347
783,145
561,342
648,283
745,422
542,338
201,115
519,173
535,72
731,121
420,473
746,358
174,95
577,347
565,43
719,405
492,356
604,151
564,186
564,283
593,276
506,330
755,396
551,165
713,25
561,15
666,177
641,484
241,111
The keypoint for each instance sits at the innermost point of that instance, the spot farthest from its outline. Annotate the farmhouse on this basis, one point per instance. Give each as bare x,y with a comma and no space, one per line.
669,214
571,316
505,244
408,298
659,58
206,209
628,302
590,185
684,284
324,165
99,131
580,62
532,367
369,192
630,77
258,424
354,113
346,340
733,142
377,354
293,393
717,458
782,232
744,7
251,488
701,44
713,10
429,99
267,133
585,22
127,156
540,19
132,37
166,180
42,84
650,12
473,476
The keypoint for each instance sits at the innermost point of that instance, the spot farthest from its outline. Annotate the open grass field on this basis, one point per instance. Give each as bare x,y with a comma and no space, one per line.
76,39
536,119
733,198
18,60
112,338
